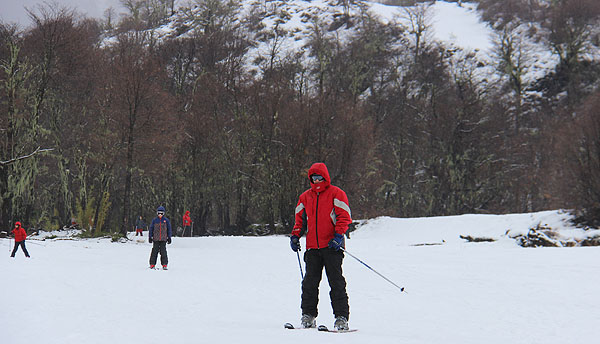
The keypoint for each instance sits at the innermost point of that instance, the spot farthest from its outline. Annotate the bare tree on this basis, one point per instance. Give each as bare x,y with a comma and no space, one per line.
578,146
571,24
513,60
419,21
139,108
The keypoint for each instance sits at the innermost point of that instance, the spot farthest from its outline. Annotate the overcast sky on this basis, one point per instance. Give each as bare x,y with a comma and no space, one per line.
13,11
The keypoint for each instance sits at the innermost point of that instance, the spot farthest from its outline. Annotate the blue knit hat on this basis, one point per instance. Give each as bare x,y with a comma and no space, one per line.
160,208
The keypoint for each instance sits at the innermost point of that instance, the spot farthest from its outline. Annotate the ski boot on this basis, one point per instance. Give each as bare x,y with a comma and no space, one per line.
165,267
341,324
308,321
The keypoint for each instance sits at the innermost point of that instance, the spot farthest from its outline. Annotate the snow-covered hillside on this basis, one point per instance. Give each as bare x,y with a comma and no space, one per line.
285,28
242,289
458,27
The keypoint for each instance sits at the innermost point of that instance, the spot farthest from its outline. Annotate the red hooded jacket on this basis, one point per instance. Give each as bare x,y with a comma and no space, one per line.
186,219
322,210
19,232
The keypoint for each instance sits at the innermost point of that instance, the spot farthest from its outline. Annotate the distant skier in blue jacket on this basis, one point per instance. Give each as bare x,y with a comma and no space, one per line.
159,235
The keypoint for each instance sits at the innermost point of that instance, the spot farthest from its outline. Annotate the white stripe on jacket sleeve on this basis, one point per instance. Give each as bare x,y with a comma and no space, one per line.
341,204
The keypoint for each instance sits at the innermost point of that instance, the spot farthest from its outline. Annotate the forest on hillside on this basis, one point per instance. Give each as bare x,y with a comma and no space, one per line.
102,121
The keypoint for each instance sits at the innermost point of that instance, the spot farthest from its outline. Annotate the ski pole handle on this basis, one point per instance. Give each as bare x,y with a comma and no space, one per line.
370,268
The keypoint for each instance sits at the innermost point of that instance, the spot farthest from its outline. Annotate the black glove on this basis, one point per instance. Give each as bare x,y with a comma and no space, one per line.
150,239
295,243
169,241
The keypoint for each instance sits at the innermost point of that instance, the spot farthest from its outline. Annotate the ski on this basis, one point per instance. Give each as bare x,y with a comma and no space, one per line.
289,326
323,328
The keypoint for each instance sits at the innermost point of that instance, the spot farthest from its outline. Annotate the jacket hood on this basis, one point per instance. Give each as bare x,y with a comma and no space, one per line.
187,212
17,224
321,169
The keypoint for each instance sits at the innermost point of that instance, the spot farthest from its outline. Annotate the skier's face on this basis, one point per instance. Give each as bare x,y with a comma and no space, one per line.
160,214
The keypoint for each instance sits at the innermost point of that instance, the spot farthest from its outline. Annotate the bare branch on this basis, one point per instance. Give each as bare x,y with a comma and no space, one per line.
38,150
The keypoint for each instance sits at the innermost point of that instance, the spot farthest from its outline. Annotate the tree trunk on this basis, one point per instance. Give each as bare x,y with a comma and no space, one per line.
128,173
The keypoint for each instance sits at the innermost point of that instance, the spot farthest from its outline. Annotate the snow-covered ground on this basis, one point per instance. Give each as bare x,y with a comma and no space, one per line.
243,289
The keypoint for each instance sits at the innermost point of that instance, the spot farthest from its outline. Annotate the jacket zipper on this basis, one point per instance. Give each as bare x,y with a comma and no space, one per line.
317,221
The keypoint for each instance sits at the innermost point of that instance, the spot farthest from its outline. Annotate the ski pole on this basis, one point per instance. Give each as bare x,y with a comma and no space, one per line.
300,264
370,268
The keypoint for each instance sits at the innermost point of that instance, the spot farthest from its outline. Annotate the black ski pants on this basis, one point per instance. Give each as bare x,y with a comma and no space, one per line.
315,260
159,246
17,244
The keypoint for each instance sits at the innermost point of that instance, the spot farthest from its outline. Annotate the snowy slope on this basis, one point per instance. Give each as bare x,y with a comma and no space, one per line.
242,289
448,229
458,27
287,26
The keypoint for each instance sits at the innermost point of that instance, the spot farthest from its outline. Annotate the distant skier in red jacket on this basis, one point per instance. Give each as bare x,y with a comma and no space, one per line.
20,236
187,223
323,213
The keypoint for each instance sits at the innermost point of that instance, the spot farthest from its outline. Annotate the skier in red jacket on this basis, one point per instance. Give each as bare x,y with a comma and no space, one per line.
20,236
324,215
187,223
